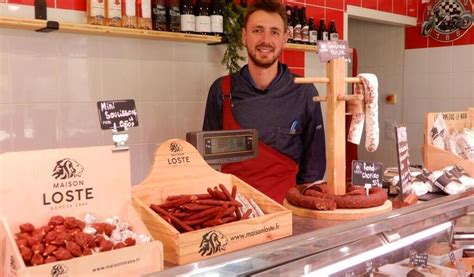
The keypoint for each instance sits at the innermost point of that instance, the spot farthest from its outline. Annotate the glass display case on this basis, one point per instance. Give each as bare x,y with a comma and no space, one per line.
390,244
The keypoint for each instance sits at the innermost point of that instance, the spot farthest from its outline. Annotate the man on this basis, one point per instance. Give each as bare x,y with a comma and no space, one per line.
263,96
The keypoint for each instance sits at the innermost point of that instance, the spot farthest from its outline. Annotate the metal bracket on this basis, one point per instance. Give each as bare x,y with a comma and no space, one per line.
50,26
120,139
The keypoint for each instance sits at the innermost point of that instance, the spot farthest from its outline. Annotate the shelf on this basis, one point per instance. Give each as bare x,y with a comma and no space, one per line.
301,47
87,29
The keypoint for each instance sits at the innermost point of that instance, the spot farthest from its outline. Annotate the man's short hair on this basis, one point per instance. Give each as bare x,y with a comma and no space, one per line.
270,6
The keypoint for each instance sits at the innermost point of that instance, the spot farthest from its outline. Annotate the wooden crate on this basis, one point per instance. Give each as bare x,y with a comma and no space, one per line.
72,182
435,158
179,169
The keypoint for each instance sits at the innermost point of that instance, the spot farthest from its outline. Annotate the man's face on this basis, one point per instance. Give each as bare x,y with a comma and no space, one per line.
264,38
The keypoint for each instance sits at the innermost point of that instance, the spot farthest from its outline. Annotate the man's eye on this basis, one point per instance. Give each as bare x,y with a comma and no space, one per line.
257,31
275,33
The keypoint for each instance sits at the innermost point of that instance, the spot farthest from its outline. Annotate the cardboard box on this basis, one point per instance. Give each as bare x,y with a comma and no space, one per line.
178,169
37,185
435,158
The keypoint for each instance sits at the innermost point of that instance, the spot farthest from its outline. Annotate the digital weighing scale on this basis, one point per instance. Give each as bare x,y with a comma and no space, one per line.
220,147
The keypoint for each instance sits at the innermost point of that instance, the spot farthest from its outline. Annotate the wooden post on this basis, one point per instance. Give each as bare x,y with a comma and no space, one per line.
335,128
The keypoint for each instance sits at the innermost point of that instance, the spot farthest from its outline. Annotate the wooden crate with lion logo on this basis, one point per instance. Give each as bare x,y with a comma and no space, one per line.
75,185
179,169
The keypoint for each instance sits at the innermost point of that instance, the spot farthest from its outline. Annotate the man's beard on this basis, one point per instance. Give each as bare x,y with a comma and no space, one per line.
262,63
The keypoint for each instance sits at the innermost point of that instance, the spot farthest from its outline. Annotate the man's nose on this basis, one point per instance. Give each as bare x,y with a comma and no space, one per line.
266,37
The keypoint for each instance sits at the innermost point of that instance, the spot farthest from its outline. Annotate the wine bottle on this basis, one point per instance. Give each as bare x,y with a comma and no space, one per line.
333,35
113,13
217,20
129,15
203,20
158,15
173,16
188,22
144,14
95,12
322,31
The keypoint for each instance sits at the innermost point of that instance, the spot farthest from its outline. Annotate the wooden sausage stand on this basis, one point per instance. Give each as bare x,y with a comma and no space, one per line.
335,142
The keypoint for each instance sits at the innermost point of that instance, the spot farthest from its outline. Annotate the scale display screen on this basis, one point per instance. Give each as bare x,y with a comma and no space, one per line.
228,144
219,147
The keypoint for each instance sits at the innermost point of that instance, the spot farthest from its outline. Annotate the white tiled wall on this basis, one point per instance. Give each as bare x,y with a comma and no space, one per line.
380,51
436,80
425,80
50,83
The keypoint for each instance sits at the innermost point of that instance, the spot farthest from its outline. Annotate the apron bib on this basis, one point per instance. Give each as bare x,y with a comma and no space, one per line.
271,172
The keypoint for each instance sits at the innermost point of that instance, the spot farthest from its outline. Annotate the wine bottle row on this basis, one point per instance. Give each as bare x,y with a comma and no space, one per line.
202,17
301,30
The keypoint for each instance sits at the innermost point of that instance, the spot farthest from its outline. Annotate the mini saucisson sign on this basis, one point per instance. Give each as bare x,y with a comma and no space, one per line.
331,49
367,173
117,114
403,159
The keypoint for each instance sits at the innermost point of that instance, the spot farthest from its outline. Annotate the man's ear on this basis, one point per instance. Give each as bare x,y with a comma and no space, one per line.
244,37
285,38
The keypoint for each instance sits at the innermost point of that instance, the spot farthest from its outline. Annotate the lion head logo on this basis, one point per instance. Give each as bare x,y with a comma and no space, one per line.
58,270
212,242
175,147
67,168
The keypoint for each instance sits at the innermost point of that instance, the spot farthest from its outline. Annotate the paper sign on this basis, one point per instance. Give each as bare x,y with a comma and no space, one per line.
403,159
367,173
332,49
117,114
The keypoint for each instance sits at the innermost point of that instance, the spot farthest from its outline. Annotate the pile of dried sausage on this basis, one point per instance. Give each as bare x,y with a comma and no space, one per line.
318,198
64,238
193,212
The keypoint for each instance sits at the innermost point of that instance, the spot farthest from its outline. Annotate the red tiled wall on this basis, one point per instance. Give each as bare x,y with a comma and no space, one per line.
78,5
334,10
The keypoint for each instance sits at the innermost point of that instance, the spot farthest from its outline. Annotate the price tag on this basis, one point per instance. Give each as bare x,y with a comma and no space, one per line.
403,159
117,114
367,174
332,49
420,260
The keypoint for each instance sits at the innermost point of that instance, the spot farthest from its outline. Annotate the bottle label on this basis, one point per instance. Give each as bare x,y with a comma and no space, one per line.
146,8
297,32
159,12
305,34
217,24
174,15
290,32
97,8
203,24
313,36
114,9
130,8
188,23
325,36
334,36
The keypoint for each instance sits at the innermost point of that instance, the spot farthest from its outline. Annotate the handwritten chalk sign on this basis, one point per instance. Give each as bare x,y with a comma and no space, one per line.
403,159
331,49
367,173
117,114
418,259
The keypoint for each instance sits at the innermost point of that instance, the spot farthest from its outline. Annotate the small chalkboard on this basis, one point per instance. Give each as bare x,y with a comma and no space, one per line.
332,49
367,173
403,160
117,114
418,259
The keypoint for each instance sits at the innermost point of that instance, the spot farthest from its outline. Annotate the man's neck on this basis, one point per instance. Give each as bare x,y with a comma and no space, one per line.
263,77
